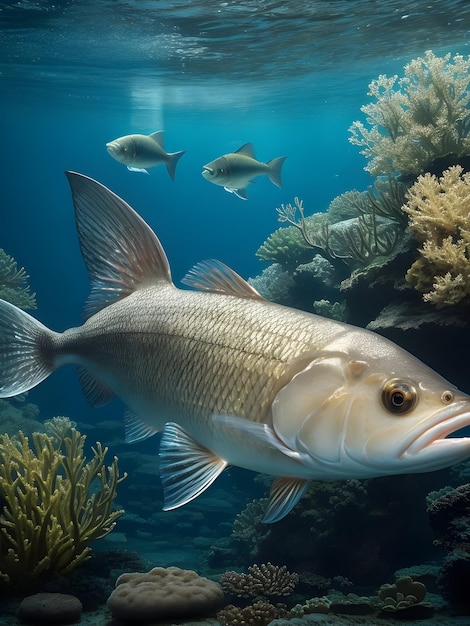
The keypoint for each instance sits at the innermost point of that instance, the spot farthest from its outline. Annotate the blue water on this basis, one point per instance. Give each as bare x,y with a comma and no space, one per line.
290,77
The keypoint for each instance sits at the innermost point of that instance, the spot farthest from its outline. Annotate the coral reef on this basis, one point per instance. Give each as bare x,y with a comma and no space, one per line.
449,515
417,118
164,593
358,251
274,283
325,254
263,581
439,210
55,502
359,530
13,283
373,230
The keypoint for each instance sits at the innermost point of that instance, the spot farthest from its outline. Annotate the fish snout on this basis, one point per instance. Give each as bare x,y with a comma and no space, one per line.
112,147
207,171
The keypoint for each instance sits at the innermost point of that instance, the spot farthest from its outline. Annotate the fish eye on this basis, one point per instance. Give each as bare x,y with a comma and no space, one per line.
447,397
398,396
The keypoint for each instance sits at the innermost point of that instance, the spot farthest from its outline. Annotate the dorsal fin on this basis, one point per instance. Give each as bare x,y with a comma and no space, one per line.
159,137
247,149
120,250
215,276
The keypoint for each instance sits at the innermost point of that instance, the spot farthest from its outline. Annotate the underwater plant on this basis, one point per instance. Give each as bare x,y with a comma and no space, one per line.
417,118
55,502
439,214
13,283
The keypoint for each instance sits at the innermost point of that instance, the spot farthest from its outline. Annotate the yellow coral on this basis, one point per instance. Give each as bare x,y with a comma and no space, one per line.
56,503
439,212
418,117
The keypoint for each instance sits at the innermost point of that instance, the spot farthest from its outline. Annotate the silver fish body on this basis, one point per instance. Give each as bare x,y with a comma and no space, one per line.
229,377
139,152
235,171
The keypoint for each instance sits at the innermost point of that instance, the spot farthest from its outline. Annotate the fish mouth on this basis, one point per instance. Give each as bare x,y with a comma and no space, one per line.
426,437
207,170
112,146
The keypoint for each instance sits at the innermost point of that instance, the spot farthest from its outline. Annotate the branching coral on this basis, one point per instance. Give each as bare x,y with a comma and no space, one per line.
439,211
418,117
259,613
265,580
56,503
13,285
374,230
287,246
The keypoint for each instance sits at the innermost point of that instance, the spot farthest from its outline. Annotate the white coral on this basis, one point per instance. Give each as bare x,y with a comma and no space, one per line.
416,118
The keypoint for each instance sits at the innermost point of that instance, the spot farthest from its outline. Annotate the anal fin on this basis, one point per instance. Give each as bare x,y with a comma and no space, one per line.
284,495
186,467
136,429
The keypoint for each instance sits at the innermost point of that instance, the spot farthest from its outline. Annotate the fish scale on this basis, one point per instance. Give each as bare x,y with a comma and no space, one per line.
209,366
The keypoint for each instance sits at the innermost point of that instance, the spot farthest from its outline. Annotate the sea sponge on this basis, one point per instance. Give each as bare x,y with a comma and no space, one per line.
439,214
417,118
164,593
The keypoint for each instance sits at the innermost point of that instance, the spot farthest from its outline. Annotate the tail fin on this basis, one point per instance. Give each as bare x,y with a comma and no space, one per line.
26,351
173,158
275,166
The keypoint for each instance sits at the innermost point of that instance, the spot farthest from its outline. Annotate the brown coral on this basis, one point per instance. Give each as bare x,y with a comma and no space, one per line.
259,613
263,580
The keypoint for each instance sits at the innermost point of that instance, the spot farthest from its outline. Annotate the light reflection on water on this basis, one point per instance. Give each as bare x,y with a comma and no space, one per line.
181,48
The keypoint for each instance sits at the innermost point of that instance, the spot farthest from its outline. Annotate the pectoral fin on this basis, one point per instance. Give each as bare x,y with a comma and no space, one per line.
284,495
186,467
137,169
240,193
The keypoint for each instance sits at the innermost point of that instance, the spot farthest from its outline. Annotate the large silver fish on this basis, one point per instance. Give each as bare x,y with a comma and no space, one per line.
139,152
235,171
229,377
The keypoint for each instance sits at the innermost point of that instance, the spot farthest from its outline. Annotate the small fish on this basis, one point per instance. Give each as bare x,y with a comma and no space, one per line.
235,171
230,378
141,151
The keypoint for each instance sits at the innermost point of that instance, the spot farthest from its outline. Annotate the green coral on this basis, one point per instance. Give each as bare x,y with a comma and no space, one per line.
55,502
417,118
287,247
13,283
374,230
439,213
